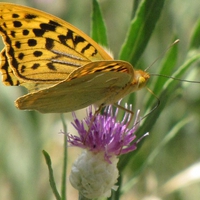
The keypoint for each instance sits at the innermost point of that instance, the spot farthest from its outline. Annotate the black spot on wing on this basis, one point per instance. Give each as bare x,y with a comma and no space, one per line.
38,32
51,66
51,26
35,65
12,33
54,23
18,44
62,39
21,56
23,68
78,39
15,15
4,24
72,37
37,53
25,32
86,48
49,43
30,16
32,42
17,24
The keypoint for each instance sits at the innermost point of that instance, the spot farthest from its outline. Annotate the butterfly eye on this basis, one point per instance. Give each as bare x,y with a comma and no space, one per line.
141,82
140,78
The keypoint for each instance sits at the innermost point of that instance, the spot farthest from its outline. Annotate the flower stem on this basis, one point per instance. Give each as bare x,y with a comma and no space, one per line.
51,177
64,173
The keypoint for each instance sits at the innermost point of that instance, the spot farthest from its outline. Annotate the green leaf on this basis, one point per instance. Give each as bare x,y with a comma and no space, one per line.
195,39
141,29
98,30
51,177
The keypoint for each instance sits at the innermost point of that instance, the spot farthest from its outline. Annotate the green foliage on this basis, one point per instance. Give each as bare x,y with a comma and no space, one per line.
98,32
140,30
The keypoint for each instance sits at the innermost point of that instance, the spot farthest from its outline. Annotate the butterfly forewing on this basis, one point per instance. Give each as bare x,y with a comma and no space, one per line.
41,47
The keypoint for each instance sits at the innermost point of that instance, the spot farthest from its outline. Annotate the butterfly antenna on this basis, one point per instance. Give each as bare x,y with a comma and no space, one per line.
161,55
177,79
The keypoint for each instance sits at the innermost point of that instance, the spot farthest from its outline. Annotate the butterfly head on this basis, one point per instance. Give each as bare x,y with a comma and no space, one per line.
140,78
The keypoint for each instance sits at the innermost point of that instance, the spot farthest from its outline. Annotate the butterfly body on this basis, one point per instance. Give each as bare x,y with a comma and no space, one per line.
63,68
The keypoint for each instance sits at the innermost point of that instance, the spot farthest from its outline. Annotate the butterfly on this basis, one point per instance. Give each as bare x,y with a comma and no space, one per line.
63,69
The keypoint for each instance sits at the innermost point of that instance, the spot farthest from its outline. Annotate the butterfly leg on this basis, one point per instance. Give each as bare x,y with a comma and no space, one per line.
126,110
92,120
128,121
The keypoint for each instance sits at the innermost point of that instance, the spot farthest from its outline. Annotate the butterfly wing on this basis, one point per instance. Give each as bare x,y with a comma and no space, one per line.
100,83
42,48
8,77
102,66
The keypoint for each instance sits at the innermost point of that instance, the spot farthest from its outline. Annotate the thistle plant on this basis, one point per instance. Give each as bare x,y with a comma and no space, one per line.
103,139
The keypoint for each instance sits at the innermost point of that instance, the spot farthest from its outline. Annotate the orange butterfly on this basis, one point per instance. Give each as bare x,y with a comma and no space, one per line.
63,68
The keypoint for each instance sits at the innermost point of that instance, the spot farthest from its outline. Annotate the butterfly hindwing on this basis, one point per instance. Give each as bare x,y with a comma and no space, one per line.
99,87
102,66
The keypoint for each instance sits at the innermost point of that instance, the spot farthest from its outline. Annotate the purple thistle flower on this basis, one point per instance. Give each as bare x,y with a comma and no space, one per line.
104,133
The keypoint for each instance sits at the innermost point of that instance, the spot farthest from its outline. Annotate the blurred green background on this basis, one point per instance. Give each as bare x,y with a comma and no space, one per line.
174,173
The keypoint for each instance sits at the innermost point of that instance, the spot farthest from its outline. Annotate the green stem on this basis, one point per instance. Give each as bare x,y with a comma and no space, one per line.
51,177
64,173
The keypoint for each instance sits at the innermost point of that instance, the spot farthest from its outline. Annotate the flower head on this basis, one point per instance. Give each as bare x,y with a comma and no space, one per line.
104,133
103,138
